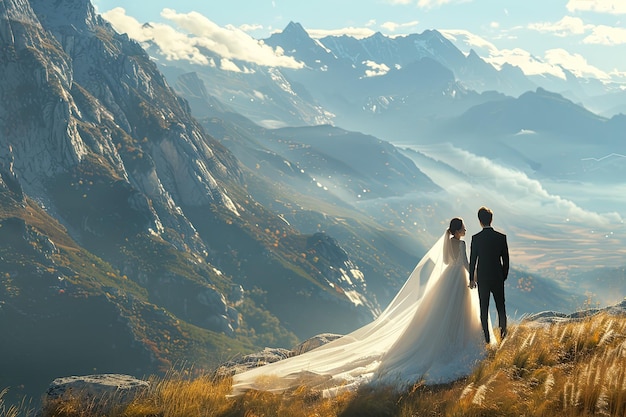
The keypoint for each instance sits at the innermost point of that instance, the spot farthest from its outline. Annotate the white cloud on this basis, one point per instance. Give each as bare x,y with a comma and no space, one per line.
528,63
427,4
551,64
564,27
228,65
250,28
174,45
518,57
606,35
358,33
393,26
523,194
469,40
229,43
599,6
575,63
375,69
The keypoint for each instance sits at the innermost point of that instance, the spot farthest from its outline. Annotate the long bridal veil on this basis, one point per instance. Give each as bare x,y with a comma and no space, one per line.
354,359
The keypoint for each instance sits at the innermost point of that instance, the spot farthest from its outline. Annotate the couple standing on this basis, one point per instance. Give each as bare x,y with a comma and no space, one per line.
433,330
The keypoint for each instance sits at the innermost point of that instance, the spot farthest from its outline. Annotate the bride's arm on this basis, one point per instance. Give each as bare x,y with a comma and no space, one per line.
463,253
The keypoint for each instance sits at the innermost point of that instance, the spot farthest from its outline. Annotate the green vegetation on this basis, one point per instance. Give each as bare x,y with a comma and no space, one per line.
565,369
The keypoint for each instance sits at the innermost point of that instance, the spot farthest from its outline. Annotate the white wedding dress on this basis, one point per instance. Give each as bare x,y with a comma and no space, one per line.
430,331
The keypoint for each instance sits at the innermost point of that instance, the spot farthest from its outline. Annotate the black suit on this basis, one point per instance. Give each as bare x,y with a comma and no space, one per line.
489,260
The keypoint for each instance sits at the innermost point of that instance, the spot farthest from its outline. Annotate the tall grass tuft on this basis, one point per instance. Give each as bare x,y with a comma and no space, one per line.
572,369
23,409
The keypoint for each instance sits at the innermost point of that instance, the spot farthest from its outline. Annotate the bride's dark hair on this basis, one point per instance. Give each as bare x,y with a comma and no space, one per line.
455,225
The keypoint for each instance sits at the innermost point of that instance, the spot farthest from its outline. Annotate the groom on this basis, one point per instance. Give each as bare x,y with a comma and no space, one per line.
489,267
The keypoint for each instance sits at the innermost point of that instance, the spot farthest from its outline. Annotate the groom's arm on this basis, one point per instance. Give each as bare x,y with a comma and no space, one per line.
472,262
505,259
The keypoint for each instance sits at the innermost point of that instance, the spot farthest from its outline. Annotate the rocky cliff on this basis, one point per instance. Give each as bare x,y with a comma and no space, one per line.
128,241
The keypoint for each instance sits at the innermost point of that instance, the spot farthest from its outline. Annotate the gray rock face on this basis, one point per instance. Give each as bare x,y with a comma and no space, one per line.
314,342
96,385
253,360
74,86
85,109
103,392
548,317
270,355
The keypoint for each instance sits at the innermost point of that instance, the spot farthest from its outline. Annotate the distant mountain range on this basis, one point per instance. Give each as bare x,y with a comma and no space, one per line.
157,214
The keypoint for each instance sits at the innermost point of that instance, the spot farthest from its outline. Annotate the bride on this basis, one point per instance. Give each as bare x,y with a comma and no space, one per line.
430,331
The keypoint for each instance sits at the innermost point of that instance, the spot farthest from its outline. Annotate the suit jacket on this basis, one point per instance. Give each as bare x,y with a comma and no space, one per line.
489,256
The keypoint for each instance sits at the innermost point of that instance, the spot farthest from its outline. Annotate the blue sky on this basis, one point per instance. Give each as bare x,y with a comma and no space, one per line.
585,36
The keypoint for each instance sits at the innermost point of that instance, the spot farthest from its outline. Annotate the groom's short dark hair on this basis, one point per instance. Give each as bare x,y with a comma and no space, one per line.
485,215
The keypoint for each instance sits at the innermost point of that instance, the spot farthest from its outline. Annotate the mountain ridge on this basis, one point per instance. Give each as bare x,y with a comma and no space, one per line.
122,202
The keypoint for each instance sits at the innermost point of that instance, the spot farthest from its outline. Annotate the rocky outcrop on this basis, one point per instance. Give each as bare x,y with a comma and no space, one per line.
100,393
270,355
88,91
548,317
340,272
121,209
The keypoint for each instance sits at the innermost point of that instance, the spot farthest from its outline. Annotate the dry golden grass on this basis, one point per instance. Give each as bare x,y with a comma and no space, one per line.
569,369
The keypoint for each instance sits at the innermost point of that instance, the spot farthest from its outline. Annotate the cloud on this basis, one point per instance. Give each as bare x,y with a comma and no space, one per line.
229,43
493,182
172,44
552,63
425,4
393,26
600,34
375,69
606,35
228,65
468,39
518,57
358,33
250,28
429,4
575,63
523,59
598,6
564,27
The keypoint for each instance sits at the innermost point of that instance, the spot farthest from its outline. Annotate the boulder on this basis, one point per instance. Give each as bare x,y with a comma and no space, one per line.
269,355
314,342
104,392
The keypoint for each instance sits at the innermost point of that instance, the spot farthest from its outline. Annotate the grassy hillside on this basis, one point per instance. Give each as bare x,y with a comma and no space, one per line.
564,369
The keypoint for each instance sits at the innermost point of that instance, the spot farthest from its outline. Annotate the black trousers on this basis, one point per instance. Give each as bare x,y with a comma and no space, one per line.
485,289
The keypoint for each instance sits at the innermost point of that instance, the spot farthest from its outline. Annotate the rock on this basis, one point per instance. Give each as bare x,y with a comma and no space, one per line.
269,355
253,360
314,342
104,392
549,317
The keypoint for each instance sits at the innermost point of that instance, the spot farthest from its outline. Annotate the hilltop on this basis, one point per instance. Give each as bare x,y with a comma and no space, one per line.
549,365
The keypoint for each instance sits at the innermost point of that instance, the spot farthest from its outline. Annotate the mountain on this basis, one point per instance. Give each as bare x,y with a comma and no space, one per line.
362,56
140,228
542,133
362,190
129,242
393,88
262,93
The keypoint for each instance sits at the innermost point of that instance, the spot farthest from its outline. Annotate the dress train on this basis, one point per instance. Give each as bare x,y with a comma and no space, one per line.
431,330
